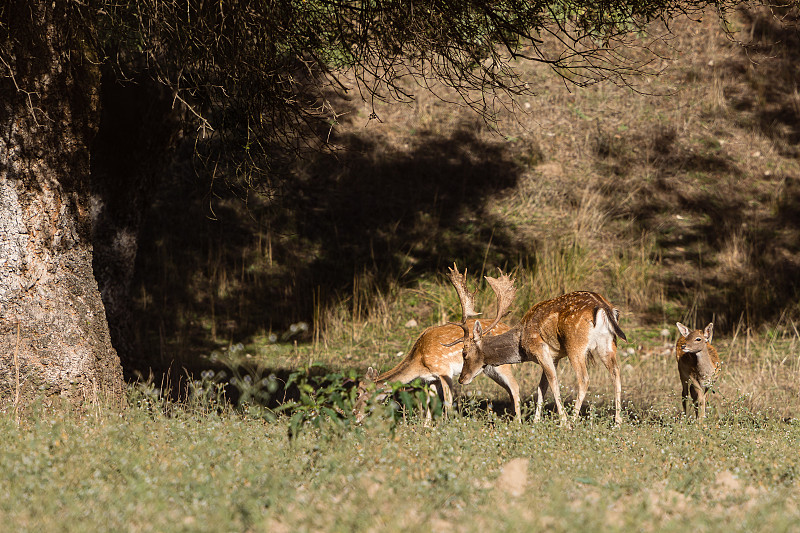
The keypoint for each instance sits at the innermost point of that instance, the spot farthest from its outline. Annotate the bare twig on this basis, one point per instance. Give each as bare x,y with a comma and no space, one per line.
21,90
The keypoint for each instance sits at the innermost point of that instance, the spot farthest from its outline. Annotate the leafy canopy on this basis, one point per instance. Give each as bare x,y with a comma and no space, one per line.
262,74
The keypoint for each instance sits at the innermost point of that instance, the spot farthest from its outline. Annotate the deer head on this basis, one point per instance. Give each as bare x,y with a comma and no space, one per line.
503,287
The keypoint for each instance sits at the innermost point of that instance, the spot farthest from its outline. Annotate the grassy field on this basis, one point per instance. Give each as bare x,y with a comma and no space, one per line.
678,199
205,463
201,470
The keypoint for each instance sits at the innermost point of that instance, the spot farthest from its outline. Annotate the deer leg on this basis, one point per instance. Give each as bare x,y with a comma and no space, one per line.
694,392
447,394
685,397
541,390
549,369
701,402
612,365
579,364
577,352
502,376
434,389
617,393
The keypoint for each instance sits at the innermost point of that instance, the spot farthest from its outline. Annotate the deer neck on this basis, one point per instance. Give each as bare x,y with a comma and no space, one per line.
704,363
502,349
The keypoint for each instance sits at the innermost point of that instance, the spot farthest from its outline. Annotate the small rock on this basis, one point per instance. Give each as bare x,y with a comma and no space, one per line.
727,483
437,524
514,477
411,323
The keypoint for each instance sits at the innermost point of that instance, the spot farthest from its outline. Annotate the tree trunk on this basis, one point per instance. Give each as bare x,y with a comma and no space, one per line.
54,338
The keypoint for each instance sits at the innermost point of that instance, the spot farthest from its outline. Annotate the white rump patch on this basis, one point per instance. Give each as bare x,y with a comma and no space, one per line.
601,336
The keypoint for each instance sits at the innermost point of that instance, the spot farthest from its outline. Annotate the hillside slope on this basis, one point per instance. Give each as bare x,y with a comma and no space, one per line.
677,197
683,195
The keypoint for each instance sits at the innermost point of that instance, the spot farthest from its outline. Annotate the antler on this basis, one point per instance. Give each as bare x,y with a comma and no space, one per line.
467,299
503,287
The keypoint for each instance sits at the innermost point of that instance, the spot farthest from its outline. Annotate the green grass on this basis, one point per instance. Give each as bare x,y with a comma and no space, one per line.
198,471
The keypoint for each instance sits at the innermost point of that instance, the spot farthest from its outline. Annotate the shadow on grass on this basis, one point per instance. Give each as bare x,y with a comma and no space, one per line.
772,98
314,389
730,249
218,264
225,264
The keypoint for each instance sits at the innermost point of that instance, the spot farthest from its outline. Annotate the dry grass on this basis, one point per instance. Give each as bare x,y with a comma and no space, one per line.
688,162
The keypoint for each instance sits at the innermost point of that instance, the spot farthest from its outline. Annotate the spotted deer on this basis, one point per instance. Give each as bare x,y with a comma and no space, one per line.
698,365
434,358
578,325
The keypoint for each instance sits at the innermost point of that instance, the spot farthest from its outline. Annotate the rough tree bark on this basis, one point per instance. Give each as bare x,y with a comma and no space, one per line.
53,329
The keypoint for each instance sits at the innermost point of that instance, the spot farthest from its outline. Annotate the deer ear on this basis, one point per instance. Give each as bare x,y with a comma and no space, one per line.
709,332
477,330
372,374
683,330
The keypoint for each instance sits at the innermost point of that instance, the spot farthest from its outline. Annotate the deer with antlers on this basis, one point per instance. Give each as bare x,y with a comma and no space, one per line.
433,359
577,325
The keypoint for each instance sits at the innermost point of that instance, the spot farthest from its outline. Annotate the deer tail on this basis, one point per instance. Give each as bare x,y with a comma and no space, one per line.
612,315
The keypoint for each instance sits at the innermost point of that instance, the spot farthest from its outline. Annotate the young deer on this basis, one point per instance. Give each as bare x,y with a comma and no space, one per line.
575,325
698,365
433,362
